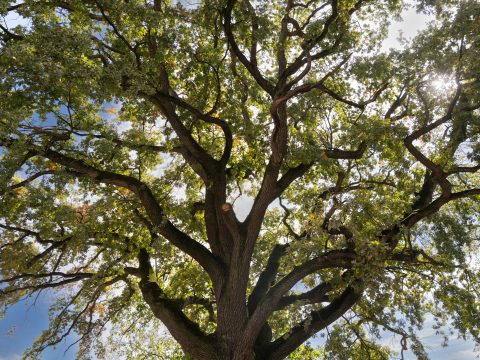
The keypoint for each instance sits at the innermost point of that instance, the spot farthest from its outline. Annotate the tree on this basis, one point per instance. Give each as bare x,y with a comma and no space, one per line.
130,129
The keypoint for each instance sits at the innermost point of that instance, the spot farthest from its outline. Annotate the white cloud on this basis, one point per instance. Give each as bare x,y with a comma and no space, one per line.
10,357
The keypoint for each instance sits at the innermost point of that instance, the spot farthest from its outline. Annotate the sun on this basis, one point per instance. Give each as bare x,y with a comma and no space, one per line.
442,83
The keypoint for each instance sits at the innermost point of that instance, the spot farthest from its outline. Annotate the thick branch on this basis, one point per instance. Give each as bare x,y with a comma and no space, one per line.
251,67
195,152
317,321
267,277
208,119
313,296
334,258
154,211
185,331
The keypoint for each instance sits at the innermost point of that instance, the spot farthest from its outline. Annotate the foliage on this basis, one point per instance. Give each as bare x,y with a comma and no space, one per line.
133,134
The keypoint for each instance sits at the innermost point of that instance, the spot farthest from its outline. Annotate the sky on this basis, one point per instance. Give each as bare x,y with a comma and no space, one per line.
25,320
410,24
23,323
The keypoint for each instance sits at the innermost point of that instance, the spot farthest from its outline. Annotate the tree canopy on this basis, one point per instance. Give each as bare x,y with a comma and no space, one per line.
134,133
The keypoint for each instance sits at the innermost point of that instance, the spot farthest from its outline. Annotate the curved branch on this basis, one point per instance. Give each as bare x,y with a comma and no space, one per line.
330,259
294,173
250,66
208,118
317,321
185,331
267,277
313,296
195,154
154,211
53,273
30,179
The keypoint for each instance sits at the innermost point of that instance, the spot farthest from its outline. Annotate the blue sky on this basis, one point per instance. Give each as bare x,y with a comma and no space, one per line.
28,320
457,349
23,323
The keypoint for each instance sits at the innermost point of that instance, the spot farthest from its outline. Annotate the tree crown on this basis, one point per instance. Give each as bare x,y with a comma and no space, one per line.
134,133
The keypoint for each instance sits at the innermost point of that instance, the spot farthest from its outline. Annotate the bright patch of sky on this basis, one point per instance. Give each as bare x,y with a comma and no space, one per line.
189,4
242,206
410,24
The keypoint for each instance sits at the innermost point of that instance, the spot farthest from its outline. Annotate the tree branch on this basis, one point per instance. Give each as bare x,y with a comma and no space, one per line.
154,211
251,67
185,331
317,321
313,296
330,259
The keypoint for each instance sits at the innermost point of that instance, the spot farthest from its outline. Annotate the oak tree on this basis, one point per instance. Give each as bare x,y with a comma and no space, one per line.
250,173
